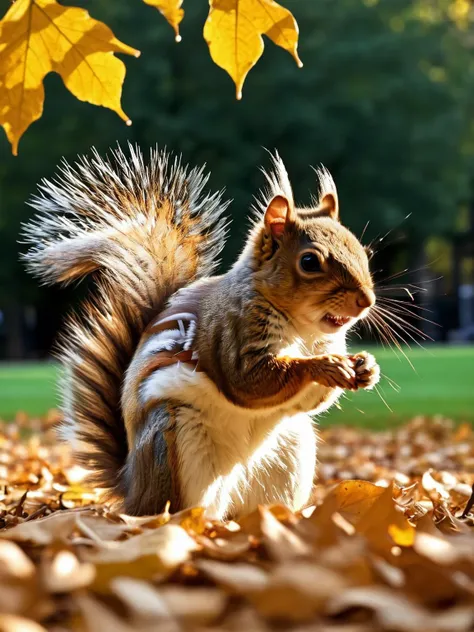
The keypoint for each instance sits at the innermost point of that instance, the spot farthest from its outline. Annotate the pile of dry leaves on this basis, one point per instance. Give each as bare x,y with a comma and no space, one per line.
392,552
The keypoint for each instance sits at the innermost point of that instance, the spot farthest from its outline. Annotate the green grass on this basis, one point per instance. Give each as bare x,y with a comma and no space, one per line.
27,387
442,383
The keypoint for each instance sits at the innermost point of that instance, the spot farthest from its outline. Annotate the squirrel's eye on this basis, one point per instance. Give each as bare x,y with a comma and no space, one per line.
309,262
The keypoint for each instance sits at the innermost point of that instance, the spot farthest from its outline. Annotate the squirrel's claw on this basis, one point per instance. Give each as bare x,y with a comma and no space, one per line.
367,370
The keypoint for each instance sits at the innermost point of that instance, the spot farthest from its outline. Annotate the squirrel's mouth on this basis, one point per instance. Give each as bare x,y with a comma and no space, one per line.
336,321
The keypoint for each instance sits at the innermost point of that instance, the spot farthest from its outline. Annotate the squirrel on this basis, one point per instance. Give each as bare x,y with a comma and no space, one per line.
183,387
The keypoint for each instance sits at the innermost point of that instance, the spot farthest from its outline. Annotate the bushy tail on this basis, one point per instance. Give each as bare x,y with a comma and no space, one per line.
145,230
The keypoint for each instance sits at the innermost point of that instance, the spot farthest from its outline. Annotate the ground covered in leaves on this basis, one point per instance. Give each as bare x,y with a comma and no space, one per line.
388,544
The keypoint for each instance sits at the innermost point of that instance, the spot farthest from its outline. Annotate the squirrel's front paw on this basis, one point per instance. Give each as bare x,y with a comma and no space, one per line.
366,369
336,371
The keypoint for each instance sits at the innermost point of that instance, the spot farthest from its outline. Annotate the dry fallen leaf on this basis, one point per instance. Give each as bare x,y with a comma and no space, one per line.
281,543
432,486
99,530
65,573
154,553
96,617
10,623
44,531
198,605
141,598
353,499
397,613
18,580
41,36
13,562
297,591
234,30
386,554
384,523
236,577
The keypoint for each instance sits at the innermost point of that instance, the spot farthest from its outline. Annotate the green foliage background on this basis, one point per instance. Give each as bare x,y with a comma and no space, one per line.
385,101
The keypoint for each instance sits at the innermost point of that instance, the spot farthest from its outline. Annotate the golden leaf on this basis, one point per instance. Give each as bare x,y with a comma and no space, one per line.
384,523
150,554
352,499
171,10
234,30
41,36
191,520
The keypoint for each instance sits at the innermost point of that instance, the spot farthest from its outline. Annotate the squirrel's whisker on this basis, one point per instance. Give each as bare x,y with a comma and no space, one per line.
393,335
402,323
396,387
404,311
406,304
405,272
396,275
377,390
363,232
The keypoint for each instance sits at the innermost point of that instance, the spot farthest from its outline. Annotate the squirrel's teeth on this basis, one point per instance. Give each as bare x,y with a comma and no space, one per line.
339,321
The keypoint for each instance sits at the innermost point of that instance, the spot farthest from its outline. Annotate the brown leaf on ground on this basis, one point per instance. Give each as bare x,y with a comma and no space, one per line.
384,547
58,526
353,499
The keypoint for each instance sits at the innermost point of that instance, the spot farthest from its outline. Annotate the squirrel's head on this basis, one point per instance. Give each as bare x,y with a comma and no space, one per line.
308,264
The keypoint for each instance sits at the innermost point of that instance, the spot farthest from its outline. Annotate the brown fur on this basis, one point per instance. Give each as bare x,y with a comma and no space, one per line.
151,238
141,228
235,347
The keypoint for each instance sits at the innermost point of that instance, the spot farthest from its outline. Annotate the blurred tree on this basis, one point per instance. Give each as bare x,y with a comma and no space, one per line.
384,101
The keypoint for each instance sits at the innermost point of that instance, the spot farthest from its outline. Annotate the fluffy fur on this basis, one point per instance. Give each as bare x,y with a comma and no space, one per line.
221,374
145,230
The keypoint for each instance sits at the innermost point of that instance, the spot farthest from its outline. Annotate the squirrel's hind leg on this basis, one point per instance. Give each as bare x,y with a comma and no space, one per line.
174,458
149,478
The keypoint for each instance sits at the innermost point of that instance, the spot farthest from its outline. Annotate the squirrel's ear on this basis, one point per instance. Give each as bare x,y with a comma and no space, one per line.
329,206
278,216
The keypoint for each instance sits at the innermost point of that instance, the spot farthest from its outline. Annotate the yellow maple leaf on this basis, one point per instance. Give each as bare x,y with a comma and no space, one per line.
234,30
41,36
171,10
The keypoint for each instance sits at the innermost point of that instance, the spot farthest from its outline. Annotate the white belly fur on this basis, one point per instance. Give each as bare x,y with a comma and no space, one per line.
230,458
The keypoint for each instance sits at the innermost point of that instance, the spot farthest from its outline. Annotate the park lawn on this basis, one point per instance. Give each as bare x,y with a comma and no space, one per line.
442,383
28,387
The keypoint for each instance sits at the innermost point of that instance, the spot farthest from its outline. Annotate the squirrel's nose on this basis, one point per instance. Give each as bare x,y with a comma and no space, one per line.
365,298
